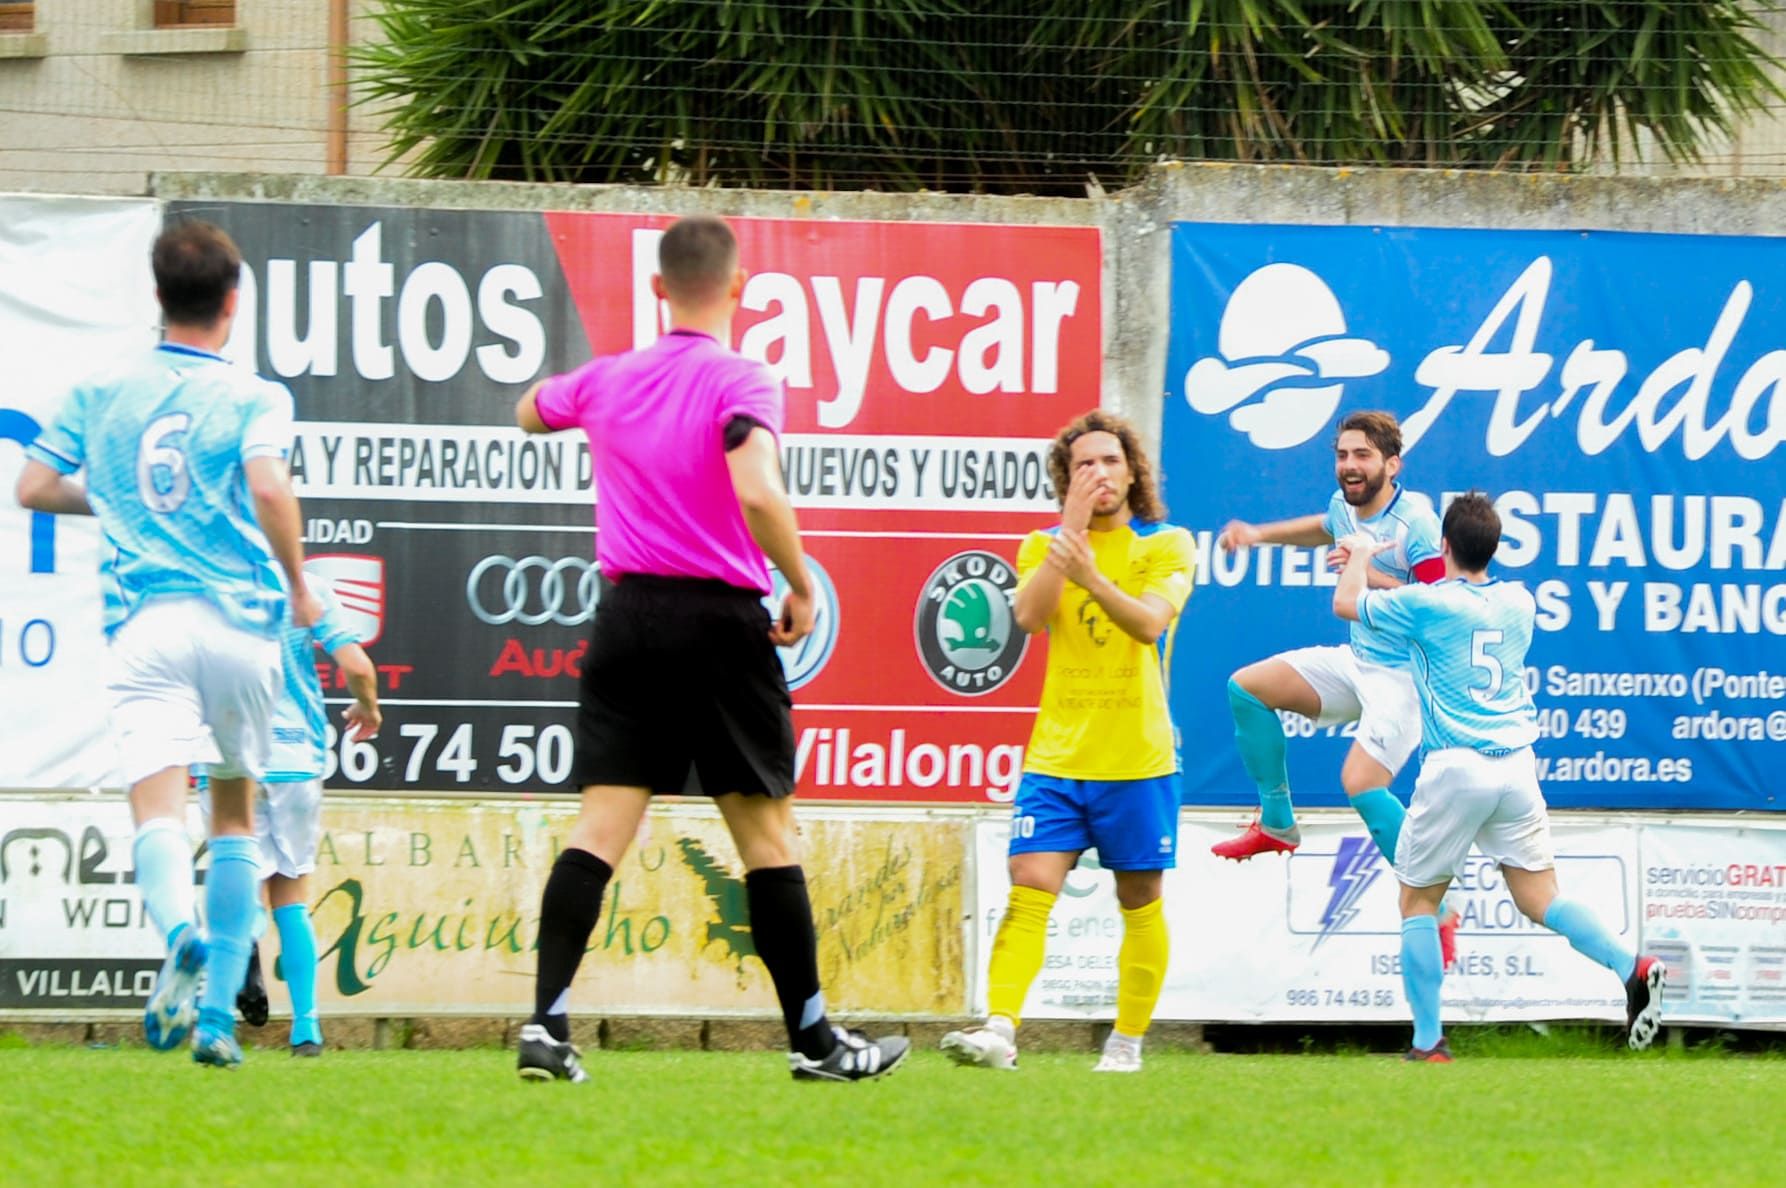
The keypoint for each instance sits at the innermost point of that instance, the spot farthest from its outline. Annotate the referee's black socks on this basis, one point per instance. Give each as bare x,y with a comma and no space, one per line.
781,927
568,910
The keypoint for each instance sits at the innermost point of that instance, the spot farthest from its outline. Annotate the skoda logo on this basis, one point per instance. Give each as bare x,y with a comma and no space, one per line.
967,636
804,660
533,590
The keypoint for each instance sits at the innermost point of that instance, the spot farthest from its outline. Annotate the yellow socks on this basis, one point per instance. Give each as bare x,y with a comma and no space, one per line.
1140,967
1017,952
1022,935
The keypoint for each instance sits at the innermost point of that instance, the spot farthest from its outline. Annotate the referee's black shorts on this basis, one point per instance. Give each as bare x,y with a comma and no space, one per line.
680,676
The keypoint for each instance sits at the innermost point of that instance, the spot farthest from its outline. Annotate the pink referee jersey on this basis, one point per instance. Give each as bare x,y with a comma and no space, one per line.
655,419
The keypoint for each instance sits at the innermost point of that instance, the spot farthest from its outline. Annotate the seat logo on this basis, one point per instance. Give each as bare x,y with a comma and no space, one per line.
358,583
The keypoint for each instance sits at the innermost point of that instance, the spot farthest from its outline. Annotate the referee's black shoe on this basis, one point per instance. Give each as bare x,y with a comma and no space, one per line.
855,1058
251,999
543,1058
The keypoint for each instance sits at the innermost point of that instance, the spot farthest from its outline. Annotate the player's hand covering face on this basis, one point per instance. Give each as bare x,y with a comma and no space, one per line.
1100,478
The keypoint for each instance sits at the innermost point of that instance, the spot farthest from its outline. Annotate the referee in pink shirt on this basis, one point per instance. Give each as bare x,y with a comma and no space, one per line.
681,670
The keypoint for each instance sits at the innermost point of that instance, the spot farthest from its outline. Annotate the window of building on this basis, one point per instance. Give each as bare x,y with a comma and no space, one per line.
177,14
178,27
17,18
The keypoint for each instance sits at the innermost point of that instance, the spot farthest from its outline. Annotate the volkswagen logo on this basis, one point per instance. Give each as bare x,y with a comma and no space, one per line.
533,590
801,662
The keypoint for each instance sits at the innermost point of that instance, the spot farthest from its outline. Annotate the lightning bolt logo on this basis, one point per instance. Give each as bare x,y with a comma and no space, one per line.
1355,868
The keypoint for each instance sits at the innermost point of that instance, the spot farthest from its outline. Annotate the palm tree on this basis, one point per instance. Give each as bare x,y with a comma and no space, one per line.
1033,96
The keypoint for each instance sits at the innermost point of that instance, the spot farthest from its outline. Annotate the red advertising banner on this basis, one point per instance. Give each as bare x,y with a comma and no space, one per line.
927,367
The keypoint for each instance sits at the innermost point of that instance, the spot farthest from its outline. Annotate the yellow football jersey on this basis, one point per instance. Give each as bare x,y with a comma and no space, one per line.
1103,714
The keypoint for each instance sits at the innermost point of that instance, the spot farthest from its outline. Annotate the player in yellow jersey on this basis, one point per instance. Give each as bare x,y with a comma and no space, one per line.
1102,765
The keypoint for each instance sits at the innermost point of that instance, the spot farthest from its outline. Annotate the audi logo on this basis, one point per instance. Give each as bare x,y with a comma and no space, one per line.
520,598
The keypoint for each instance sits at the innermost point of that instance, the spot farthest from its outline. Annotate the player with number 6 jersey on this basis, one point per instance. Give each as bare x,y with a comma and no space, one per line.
163,438
184,455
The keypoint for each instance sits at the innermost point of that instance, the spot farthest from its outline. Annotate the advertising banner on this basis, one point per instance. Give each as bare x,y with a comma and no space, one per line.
1317,937
1622,397
927,366
75,291
74,935
1714,909
427,907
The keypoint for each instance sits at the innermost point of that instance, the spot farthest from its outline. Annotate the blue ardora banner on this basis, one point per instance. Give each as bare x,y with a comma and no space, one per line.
1622,396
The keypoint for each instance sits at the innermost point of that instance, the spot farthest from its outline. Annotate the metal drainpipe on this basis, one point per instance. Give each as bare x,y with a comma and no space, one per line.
335,90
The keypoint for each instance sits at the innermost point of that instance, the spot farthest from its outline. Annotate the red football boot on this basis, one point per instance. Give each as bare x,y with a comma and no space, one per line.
1439,1053
1255,840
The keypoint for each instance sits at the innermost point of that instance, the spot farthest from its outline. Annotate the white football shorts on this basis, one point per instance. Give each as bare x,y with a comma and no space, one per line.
189,688
287,823
1464,798
1381,700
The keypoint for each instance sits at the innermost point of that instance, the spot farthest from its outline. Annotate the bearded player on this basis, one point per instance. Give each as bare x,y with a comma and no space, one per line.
1368,680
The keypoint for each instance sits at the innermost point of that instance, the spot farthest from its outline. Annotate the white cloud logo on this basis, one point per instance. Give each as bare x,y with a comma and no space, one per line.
1283,346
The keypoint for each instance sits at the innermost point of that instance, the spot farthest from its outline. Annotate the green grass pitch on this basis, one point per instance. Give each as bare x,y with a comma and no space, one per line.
1522,1112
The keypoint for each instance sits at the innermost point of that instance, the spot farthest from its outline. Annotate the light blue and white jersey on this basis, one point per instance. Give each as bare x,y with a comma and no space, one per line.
163,438
1468,645
1408,521
300,722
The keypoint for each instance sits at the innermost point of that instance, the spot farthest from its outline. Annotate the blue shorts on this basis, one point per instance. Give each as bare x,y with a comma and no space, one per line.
1133,824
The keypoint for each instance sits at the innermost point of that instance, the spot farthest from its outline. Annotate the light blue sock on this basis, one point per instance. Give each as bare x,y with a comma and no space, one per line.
1590,938
1422,974
297,958
1382,814
1261,738
231,895
162,854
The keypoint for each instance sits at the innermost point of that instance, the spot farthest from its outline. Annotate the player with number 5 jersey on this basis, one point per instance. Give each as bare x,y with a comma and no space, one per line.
184,457
1466,638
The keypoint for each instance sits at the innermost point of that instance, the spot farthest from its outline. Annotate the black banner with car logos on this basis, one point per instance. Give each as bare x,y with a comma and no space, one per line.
459,549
